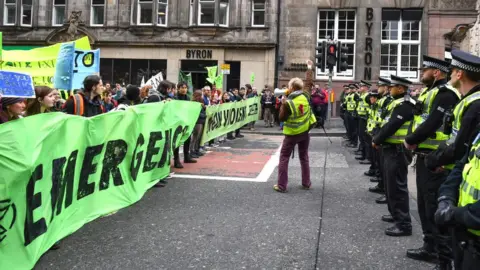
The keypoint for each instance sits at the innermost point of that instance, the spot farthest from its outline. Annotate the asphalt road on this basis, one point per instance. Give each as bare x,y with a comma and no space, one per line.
226,224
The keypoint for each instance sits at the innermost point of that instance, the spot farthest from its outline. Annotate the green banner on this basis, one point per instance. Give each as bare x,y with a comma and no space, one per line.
72,170
227,117
39,62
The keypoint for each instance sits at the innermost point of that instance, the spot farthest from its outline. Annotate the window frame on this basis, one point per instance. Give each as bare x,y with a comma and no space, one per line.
216,13
21,14
92,13
399,42
139,13
338,77
264,14
5,10
54,13
165,24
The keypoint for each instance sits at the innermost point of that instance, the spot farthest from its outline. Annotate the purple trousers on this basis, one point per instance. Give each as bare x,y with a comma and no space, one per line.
288,145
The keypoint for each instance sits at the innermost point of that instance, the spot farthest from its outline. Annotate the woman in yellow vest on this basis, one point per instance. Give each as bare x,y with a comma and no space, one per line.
298,119
459,208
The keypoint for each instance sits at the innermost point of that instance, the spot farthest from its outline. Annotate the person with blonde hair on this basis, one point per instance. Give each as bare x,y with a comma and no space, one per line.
298,119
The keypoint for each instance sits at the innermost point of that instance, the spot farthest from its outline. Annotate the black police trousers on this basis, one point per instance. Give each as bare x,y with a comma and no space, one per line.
435,238
383,182
396,170
353,127
466,248
362,135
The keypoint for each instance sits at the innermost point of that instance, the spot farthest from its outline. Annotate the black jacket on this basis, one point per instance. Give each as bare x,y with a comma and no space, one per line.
91,107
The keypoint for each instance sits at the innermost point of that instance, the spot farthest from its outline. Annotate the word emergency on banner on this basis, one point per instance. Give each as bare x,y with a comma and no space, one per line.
54,185
228,117
39,62
14,84
74,65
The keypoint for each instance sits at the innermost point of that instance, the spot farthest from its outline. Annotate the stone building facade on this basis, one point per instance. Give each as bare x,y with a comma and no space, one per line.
383,37
139,38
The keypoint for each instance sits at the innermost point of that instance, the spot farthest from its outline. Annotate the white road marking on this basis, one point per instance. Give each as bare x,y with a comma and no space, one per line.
262,177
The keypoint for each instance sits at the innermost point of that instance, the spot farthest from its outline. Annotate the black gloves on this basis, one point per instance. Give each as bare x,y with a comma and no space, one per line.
445,214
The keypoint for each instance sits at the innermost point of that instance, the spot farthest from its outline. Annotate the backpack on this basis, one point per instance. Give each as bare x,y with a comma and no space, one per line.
79,106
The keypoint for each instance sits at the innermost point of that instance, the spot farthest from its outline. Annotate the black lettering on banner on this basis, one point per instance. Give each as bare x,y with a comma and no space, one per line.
368,58
62,183
367,73
114,155
165,159
253,109
28,64
77,54
233,116
88,168
33,229
369,14
137,158
149,165
226,115
88,59
179,130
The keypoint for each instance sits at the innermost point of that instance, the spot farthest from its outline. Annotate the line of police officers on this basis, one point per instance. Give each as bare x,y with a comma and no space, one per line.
441,128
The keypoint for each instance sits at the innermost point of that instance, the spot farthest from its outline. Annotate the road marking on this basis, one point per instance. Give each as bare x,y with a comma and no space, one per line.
262,177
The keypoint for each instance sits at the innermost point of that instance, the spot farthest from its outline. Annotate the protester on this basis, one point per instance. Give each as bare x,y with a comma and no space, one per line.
43,102
159,94
88,102
144,91
187,158
132,96
197,131
12,109
108,102
268,105
59,101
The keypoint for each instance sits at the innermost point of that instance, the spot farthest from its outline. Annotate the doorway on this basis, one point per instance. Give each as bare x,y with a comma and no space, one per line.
198,70
233,80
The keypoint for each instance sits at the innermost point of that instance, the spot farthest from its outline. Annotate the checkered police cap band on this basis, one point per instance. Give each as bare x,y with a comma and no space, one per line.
436,65
464,66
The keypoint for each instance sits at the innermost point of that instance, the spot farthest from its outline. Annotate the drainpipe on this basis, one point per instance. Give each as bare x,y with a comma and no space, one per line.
277,46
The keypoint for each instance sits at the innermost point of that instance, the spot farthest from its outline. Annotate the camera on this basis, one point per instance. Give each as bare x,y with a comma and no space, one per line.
448,122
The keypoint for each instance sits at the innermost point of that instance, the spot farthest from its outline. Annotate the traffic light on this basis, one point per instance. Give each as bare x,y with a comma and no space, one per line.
331,56
320,56
342,58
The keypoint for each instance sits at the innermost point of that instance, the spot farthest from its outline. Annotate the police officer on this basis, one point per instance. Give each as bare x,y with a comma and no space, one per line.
383,89
343,108
425,135
459,208
372,99
465,77
390,137
362,113
352,102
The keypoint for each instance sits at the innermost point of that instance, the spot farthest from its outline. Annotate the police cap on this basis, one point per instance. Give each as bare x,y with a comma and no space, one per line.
395,80
465,61
365,83
383,81
430,62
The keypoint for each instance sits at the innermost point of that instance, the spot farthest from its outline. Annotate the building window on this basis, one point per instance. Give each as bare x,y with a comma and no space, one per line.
97,13
26,12
258,13
339,25
145,12
162,13
125,71
207,10
10,12
400,52
58,17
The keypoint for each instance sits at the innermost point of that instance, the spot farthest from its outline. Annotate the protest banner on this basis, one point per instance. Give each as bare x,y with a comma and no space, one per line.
155,80
51,185
39,62
15,84
227,117
73,65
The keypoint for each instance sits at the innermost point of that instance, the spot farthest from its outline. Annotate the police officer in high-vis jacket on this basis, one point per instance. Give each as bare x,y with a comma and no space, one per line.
390,137
362,117
459,208
381,113
425,135
461,123
352,103
343,104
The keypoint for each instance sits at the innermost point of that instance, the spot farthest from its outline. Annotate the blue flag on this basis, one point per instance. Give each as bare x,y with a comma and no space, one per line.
64,68
73,65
